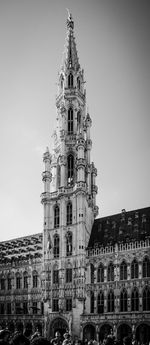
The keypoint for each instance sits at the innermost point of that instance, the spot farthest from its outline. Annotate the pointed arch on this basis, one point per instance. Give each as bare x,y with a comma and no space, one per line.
78,83
56,216
146,267
58,174
123,300
123,270
18,280
134,269
70,80
110,272
69,213
70,163
100,273
92,302
70,120
69,244
25,279
92,273
146,299
100,302
56,246
135,300
35,279
110,301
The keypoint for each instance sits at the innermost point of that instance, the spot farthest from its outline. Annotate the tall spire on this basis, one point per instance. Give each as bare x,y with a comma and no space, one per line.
71,60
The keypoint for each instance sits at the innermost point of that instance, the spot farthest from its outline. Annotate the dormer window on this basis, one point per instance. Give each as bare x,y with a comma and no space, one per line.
70,121
70,80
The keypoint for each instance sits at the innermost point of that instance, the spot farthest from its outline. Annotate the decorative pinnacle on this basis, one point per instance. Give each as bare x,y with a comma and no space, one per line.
70,22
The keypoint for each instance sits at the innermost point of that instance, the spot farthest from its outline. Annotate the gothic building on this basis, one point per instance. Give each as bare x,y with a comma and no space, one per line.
83,274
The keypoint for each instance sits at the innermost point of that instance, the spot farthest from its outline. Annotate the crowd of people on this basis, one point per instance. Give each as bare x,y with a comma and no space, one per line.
17,338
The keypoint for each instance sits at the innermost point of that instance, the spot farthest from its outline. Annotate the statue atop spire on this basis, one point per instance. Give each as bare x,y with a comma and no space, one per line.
70,22
71,57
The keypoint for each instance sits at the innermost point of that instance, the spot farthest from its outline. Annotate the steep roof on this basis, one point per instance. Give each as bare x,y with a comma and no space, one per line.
21,248
122,227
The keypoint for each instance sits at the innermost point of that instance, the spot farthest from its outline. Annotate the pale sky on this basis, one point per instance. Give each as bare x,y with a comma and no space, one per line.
113,42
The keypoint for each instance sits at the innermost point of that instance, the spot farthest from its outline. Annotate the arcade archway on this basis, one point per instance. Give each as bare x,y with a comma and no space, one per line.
124,330
143,333
57,325
89,332
104,331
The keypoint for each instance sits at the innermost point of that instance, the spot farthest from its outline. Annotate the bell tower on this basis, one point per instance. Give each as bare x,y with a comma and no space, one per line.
69,197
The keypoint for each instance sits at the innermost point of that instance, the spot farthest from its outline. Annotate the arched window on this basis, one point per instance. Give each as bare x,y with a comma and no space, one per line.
69,213
92,303
134,269
100,303
146,299
56,246
56,216
18,281
123,271
35,279
123,300
70,121
110,302
70,169
70,80
9,282
69,244
55,276
92,273
78,83
58,175
110,272
78,120
100,274
135,300
25,280
69,275
146,267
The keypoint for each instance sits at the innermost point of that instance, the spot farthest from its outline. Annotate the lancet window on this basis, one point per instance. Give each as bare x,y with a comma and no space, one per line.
146,267
123,300
56,216
70,80
70,121
92,273
69,213
110,302
92,303
146,299
56,246
110,272
100,303
69,244
100,274
123,271
70,169
134,269
134,300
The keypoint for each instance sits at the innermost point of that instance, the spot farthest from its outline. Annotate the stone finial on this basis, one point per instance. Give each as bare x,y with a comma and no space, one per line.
70,22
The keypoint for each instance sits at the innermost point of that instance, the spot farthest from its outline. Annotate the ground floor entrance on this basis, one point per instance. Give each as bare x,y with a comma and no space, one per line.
57,325
143,333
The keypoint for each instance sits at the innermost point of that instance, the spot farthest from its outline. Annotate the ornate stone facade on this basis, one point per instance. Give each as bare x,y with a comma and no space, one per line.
83,274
